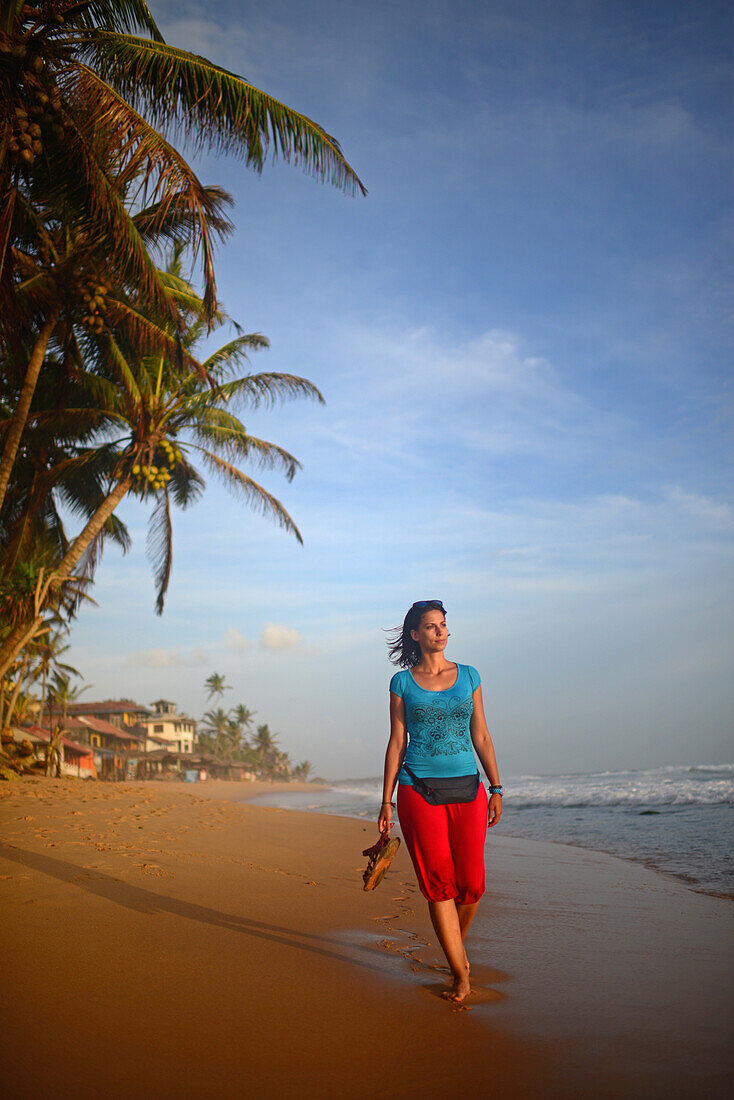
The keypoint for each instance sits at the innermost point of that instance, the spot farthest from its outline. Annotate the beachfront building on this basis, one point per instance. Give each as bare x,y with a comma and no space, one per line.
164,728
123,713
111,746
76,759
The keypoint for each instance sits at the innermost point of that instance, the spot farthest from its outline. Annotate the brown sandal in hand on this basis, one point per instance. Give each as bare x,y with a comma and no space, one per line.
380,856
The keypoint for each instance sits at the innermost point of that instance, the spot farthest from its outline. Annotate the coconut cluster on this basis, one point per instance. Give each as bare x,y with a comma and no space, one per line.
93,293
158,475
38,118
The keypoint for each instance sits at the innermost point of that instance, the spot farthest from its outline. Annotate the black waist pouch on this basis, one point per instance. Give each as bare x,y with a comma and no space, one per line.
445,790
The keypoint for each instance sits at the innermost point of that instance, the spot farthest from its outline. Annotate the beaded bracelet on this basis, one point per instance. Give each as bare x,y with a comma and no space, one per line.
497,790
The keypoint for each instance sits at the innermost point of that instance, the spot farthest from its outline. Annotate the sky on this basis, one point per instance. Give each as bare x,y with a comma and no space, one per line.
523,336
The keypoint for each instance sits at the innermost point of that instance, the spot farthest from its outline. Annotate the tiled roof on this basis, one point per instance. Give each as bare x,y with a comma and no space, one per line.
171,719
109,706
40,734
99,725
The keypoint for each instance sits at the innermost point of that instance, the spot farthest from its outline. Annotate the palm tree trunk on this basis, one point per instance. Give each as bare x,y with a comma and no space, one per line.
22,634
3,691
14,643
45,700
8,206
16,692
84,540
20,415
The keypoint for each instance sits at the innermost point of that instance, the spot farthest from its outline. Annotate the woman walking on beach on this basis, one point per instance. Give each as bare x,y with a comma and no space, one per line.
437,723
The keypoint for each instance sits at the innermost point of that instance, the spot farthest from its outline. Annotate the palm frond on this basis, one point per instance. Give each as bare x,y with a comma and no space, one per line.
110,226
85,483
186,484
111,406
141,148
257,498
119,15
219,429
123,370
66,423
173,220
268,387
235,352
186,297
216,108
160,547
150,337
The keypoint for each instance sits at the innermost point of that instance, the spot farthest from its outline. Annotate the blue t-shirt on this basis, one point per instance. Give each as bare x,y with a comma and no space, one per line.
439,740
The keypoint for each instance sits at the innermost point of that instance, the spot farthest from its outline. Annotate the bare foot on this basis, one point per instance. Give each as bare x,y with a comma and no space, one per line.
461,988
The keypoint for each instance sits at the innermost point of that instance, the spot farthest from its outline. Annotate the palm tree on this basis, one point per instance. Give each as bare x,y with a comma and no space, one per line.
72,53
68,283
215,724
37,661
264,744
281,765
154,416
48,653
54,468
243,716
62,695
215,686
70,71
11,689
240,720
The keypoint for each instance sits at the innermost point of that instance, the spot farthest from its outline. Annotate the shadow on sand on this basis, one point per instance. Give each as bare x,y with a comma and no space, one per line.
151,903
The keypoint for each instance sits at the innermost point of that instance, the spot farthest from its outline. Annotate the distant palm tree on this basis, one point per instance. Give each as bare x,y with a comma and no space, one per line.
44,659
264,744
62,694
215,724
243,716
215,686
281,765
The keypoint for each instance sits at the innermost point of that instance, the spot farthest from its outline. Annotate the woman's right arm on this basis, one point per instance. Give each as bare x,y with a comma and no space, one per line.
396,747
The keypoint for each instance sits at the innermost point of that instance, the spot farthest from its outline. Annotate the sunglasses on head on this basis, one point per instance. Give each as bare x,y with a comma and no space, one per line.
429,603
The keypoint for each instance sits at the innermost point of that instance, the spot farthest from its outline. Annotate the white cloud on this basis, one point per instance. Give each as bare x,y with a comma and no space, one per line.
277,636
711,512
167,658
235,641
431,393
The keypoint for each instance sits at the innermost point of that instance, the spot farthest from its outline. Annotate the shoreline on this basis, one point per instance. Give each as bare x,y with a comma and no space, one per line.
653,863
240,938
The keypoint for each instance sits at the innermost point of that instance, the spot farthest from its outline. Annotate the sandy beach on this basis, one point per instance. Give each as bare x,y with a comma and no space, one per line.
163,940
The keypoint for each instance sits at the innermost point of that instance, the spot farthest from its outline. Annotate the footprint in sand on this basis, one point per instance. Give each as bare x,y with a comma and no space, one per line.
152,869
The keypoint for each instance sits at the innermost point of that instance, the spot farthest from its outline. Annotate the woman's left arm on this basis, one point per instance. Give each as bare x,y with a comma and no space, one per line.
485,751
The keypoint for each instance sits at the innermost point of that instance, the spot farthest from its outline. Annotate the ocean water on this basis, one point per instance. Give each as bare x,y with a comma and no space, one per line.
679,820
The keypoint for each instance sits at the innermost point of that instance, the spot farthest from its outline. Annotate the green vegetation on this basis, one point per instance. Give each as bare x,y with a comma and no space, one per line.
101,391
227,735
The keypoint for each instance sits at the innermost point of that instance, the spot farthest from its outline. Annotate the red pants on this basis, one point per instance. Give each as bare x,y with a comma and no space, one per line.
446,844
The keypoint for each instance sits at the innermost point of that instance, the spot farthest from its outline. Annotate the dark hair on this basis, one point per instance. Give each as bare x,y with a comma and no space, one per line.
402,649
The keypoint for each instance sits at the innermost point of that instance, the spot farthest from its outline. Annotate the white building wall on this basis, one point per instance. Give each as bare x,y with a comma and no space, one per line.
178,733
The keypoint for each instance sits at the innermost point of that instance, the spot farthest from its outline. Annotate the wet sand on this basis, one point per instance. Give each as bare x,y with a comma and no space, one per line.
162,941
